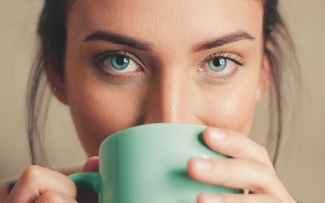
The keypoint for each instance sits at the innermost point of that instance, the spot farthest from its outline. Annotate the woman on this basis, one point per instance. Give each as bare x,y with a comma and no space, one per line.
118,64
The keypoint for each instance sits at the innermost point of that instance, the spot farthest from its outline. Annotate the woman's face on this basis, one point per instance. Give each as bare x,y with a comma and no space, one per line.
129,63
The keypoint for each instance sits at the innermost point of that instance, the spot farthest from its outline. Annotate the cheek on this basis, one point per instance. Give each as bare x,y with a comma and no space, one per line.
236,111
97,113
98,109
232,113
230,108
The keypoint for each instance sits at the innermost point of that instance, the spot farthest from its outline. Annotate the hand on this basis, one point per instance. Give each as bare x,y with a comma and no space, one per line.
40,185
250,168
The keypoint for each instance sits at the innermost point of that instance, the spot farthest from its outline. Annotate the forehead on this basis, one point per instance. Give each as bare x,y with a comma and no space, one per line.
154,20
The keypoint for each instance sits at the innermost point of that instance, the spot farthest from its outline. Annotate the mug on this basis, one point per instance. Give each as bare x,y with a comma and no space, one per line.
147,163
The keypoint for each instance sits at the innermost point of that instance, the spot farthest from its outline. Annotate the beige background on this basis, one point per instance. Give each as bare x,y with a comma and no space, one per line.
302,163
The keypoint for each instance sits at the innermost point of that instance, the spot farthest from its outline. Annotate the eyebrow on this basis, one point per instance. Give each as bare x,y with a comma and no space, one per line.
144,46
118,39
227,39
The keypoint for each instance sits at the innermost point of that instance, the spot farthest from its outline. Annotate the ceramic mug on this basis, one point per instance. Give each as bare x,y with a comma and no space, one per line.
148,163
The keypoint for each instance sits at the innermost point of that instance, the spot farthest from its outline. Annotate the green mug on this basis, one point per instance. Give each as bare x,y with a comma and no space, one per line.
147,163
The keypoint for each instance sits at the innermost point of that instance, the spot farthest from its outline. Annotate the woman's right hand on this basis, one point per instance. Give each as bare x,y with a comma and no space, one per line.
40,185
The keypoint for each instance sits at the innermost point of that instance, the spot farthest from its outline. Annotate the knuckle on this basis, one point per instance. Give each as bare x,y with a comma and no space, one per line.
32,173
263,151
264,157
265,171
265,176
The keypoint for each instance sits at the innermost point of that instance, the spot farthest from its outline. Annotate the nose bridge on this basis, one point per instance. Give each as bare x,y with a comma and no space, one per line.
166,100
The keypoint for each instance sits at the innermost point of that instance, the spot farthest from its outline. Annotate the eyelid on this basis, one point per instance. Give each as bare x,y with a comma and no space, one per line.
227,55
99,58
215,78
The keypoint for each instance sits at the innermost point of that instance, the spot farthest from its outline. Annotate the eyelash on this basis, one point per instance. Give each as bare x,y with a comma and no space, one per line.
101,57
227,55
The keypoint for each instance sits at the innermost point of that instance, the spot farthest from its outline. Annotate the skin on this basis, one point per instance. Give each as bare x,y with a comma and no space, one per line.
171,82
170,88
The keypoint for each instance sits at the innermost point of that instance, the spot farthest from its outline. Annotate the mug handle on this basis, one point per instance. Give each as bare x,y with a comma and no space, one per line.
86,179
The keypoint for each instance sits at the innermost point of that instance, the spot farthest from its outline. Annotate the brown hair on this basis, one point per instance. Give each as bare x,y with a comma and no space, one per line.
52,32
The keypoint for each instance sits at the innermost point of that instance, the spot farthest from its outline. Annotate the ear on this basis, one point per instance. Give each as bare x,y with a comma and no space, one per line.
265,74
57,84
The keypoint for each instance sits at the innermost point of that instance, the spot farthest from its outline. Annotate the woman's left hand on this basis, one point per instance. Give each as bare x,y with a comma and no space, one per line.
250,168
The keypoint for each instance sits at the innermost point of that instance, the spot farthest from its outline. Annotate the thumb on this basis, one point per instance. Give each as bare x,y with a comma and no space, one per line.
91,164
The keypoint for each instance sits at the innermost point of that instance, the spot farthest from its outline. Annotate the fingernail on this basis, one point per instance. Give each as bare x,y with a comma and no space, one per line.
203,164
213,199
217,134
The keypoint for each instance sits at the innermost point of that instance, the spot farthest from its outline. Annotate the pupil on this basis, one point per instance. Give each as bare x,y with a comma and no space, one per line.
216,62
120,60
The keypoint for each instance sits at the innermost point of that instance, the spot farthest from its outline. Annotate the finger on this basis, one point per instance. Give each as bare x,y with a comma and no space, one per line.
91,164
236,173
226,198
37,180
52,196
236,145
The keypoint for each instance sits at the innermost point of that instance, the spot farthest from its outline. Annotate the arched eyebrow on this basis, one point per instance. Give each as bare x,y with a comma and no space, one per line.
226,39
144,46
118,39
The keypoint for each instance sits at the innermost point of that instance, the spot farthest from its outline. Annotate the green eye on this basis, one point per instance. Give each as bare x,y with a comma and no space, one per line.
120,62
217,64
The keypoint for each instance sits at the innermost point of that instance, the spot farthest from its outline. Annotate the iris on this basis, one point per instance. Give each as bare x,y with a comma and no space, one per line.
217,64
120,62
